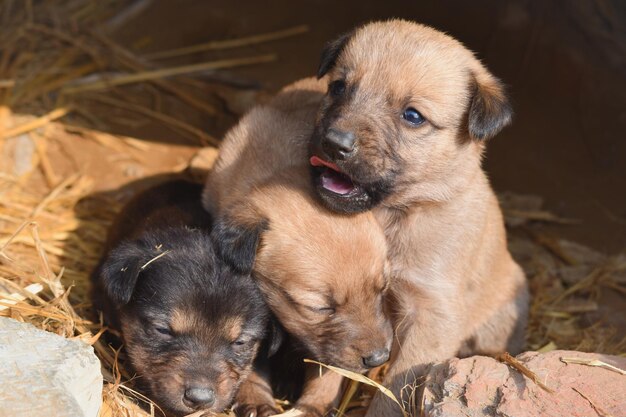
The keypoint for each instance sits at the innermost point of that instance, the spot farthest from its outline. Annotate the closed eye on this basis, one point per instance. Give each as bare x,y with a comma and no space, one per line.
241,342
327,310
165,331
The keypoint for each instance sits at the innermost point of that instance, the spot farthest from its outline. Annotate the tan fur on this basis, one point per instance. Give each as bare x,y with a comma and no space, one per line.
167,372
309,258
312,258
455,286
187,320
255,397
271,137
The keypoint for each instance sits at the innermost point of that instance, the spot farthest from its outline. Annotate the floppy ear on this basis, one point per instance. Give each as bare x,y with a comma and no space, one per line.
120,271
236,241
276,336
489,110
331,52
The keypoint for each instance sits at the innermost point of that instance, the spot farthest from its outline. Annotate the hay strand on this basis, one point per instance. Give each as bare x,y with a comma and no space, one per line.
347,397
363,379
231,43
16,297
37,123
204,138
166,72
594,362
521,368
144,266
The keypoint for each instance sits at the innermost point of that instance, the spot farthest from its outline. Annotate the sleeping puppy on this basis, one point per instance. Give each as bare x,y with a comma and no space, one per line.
266,149
322,276
191,326
402,131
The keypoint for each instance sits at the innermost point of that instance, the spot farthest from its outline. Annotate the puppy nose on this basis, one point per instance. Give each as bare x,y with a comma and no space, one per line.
377,358
199,397
338,143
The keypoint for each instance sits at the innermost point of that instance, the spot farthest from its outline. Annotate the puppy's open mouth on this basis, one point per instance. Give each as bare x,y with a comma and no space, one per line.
332,179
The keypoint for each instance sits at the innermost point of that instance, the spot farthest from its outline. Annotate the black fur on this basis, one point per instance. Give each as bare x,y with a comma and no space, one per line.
139,295
120,272
275,337
331,52
488,113
237,244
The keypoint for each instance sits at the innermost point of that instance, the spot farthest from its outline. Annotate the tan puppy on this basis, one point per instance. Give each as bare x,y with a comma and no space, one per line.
268,139
322,274
402,130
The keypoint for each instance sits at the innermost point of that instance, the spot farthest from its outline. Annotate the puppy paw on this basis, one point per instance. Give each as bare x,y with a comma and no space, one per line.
255,410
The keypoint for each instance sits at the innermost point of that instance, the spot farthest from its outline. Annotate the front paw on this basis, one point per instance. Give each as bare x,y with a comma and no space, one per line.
255,410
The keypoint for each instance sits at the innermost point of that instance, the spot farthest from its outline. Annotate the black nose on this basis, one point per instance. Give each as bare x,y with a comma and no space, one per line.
377,358
199,397
338,144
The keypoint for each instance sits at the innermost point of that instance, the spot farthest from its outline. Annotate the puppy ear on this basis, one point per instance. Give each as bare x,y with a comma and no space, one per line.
331,52
236,242
120,271
275,337
489,110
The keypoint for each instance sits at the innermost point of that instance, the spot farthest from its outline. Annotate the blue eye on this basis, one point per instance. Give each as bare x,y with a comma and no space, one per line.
413,116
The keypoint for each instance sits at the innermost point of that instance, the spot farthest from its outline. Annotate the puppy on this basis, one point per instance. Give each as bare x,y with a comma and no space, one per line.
322,276
402,131
270,138
191,326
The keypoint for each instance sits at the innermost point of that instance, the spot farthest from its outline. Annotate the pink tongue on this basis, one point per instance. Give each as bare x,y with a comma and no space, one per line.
336,183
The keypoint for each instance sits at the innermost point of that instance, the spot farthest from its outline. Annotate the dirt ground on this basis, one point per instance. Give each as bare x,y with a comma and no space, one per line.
565,67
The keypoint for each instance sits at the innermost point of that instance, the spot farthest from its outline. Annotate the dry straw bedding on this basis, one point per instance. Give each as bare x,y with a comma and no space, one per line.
52,225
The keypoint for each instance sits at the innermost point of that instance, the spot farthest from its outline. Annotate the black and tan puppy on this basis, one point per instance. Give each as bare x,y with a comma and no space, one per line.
402,130
190,325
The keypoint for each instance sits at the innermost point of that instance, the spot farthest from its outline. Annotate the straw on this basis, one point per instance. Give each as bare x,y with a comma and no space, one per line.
521,368
204,138
49,243
594,362
362,379
167,72
14,298
36,124
231,43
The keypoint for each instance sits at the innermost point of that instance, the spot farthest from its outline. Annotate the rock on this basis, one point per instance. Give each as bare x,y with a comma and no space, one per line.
43,374
481,386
